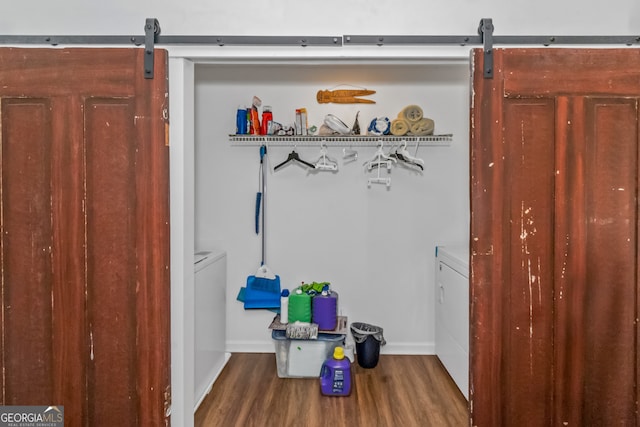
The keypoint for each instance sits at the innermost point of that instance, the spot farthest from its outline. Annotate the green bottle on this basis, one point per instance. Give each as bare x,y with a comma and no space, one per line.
299,306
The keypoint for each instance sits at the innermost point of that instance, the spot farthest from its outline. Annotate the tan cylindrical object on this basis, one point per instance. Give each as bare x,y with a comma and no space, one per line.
411,113
423,127
399,127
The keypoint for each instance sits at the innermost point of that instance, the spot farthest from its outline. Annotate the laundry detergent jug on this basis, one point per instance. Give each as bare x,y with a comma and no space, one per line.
335,375
325,310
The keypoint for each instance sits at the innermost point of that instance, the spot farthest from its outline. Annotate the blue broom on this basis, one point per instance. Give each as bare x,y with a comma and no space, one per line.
263,288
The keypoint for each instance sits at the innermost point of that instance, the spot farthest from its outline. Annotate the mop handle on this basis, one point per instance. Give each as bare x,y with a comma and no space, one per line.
258,198
263,153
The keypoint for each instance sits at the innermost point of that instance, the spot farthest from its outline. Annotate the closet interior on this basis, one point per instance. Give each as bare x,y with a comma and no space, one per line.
369,231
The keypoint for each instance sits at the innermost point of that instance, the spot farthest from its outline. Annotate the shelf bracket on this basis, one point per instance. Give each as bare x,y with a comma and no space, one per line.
486,31
151,30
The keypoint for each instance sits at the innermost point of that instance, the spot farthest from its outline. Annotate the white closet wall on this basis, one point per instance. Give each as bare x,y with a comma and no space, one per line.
327,17
374,244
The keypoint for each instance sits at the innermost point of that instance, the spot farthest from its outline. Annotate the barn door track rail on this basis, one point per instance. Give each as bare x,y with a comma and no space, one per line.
152,37
487,39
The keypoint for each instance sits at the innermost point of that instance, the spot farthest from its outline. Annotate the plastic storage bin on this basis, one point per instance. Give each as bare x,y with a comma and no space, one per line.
303,358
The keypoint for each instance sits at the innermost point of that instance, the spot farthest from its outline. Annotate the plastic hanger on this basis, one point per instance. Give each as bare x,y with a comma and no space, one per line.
349,155
293,156
380,160
403,155
325,162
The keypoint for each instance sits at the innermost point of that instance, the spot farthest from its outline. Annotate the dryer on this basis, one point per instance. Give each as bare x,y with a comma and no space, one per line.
452,313
210,268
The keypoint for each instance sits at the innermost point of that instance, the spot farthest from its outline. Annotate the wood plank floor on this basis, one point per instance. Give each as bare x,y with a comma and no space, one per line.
403,391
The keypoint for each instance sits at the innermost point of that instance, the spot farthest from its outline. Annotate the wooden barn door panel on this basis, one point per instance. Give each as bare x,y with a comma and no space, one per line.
554,238
527,324
595,255
85,243
27,241
111,314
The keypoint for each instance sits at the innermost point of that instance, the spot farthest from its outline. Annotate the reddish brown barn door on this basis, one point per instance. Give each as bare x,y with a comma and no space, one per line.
554,250
85,234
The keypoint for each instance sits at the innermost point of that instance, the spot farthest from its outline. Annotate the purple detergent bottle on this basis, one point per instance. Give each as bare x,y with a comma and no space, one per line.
335,376
325,309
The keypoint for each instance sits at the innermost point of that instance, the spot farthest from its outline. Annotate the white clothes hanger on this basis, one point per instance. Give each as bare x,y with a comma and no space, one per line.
408,157
325,162
380,160
349,155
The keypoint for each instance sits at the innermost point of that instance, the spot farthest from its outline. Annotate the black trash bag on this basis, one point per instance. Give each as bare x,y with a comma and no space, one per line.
368,340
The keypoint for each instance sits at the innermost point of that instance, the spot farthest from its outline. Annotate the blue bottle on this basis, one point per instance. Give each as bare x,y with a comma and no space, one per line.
241,121
335,375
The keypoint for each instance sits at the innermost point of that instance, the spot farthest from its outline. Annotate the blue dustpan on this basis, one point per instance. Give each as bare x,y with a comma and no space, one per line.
262,290
258,299
264,280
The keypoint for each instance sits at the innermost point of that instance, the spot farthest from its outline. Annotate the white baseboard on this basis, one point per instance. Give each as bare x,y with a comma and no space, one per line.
250,347
427,348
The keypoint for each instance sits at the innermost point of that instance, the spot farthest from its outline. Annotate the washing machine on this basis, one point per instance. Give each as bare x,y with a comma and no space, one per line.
452,313
210,268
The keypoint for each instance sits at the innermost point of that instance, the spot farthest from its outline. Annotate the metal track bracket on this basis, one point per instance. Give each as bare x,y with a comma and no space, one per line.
486,31
151,30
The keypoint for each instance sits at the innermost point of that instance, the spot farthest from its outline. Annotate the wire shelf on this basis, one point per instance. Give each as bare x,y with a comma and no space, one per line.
339,140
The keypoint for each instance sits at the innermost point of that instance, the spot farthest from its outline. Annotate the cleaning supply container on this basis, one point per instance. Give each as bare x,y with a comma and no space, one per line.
299,306
335,376
325,310
284,306
303,358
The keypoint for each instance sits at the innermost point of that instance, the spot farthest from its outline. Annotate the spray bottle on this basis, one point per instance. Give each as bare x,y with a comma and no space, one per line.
284,306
